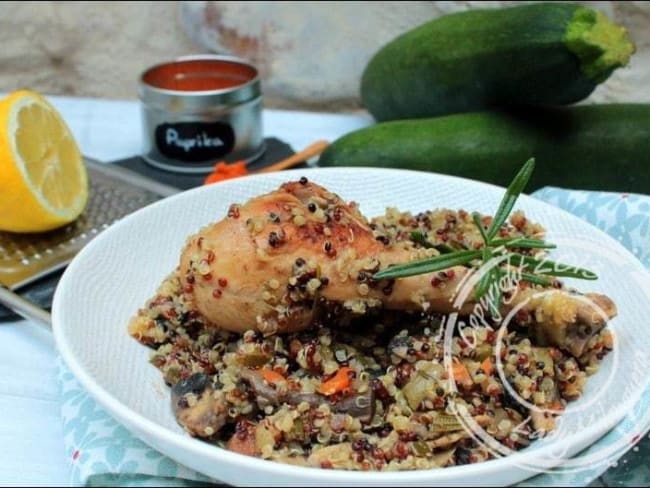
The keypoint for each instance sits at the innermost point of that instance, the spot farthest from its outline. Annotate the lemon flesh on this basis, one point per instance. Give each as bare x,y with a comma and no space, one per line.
44,183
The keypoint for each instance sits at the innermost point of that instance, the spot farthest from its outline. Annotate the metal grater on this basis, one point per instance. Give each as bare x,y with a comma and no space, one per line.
114,193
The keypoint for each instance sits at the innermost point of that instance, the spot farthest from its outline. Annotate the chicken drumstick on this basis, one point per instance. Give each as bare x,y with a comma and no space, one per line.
270,261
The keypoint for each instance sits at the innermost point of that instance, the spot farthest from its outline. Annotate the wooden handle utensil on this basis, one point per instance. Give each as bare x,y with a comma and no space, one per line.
310,151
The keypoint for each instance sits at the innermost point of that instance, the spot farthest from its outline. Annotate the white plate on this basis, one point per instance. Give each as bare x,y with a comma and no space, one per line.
119,270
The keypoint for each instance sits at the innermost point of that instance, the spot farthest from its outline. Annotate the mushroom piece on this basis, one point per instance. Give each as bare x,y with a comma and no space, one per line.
265,394
196,406
268,395
361,405
313,399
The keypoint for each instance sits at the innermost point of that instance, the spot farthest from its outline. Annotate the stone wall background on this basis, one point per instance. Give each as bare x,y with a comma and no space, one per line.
311,55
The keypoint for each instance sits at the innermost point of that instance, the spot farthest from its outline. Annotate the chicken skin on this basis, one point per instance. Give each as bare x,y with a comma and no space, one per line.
273,261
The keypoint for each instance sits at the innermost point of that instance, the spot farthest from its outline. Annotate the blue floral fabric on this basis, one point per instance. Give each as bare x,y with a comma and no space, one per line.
624,216
103,453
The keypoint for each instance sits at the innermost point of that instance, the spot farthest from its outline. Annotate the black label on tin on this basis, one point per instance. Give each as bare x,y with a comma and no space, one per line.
195,142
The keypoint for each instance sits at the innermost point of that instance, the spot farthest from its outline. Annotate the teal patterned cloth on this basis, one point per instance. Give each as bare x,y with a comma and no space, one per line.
624,216
103,453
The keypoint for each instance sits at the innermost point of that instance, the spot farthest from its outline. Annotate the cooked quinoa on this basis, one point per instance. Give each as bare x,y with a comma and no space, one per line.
369,393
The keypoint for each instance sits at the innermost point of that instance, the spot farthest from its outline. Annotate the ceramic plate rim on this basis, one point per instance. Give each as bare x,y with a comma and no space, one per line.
125,415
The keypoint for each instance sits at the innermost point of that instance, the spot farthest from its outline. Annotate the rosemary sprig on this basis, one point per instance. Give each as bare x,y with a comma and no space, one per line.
536,279
512,193
484,283
498,296
533,270
523,243
477,222
428,265
418,236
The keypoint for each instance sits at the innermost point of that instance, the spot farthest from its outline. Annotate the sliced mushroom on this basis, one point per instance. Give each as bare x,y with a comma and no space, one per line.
568,320
313,399
265,394
400,345
360,406
196,407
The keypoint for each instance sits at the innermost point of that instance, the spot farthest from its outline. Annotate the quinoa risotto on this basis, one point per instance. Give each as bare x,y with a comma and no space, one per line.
364,390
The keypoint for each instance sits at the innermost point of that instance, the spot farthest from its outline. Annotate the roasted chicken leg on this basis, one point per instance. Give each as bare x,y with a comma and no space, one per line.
272,260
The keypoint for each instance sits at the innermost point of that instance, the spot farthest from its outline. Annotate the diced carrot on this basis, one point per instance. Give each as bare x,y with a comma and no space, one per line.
337,383
225,171
246,446
272,376
486,366
461,375
243,442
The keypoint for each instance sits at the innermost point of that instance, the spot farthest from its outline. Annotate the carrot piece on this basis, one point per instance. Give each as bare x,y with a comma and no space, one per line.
461,375
225,171
486,366
339,382
272,376
243,442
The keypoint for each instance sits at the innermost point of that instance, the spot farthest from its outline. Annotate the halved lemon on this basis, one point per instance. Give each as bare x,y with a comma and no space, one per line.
43,178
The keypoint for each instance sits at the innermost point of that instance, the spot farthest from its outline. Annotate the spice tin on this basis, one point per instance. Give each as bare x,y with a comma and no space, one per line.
197,110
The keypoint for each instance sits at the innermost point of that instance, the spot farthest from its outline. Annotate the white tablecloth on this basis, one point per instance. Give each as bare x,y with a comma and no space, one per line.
31,439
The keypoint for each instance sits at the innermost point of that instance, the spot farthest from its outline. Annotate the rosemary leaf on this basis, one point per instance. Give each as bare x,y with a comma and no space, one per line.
444,248
523,243
418,236
510,197
477,222
484,283
536,271
536,279
495,302
428,265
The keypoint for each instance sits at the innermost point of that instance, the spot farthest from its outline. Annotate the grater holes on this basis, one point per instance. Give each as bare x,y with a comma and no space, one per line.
31,254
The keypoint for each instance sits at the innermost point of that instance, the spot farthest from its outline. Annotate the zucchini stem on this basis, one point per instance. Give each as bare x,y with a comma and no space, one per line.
600,44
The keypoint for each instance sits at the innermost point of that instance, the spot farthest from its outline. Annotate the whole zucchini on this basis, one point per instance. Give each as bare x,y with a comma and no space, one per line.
537,54
598,147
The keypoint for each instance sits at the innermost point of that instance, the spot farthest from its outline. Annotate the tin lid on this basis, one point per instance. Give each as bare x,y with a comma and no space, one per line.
199,82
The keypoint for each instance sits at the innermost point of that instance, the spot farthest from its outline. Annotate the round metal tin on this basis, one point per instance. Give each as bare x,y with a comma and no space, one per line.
197,110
